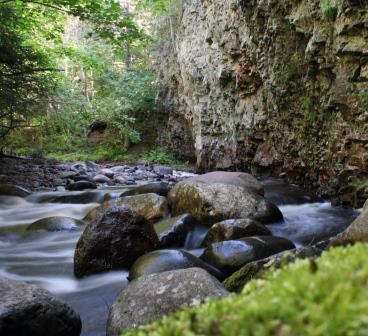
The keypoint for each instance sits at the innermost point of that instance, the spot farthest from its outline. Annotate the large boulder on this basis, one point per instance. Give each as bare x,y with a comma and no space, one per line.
150,206
233,229
243,180
27,310
168,260
229,256
113,241
216,202
357,231
150,297
56,223
160,188
13,190
173,231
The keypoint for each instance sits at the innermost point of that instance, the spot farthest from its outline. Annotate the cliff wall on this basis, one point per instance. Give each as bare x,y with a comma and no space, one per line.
273,87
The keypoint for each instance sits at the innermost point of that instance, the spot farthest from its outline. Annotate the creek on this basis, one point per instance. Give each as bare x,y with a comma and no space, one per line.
46,258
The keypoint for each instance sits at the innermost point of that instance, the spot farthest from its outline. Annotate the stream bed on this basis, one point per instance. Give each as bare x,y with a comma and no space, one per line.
46,258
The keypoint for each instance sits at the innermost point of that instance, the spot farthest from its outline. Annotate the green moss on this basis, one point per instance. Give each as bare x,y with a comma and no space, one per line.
329,299
237,281
329,9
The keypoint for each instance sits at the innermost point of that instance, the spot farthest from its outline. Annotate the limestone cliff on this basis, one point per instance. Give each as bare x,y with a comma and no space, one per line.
272,86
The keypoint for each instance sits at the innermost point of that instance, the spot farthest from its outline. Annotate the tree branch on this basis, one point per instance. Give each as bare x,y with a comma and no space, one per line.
40,4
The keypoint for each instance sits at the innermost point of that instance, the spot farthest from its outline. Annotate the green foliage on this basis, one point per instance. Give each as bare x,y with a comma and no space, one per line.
325,297
160,156
329,9
363,97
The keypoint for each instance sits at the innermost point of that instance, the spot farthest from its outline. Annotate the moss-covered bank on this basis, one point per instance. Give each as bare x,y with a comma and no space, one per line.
328,296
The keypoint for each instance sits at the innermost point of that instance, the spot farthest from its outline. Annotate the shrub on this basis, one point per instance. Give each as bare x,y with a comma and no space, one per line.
325,297
329,9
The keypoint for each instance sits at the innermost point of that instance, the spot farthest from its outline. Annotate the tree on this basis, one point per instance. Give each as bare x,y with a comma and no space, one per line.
30,35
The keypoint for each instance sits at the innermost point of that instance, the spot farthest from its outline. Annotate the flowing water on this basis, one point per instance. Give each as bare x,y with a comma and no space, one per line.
46,258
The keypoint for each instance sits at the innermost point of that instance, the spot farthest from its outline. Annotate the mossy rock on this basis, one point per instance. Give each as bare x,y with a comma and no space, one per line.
326,296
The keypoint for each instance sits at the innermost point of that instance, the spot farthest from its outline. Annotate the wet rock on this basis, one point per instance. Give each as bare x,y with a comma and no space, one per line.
173,232
159,188
255,269
357,231
101,179
150,206
29,310
56,223
168,260
150,297
13,190
229,256
216,202
82,198
81,185
107,172
162,170
68,174
82,178
233,229
243,180
113,241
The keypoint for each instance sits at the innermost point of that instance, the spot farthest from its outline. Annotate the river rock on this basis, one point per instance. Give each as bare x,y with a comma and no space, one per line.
29,310
82,178
357,231
243,180
101,179
256,269
150,297
216,202
162,170
173,232
57,223
150,206
113,241
229,256
81,185
13,190
107,172
168,260
159,188
81,198
233,229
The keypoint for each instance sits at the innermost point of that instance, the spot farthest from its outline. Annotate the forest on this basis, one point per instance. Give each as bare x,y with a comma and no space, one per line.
69,65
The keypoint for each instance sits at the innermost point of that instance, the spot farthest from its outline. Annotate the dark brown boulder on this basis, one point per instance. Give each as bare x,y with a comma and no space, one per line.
113,241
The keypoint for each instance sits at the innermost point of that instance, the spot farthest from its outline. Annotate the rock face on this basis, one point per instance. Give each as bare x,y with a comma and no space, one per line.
229,256
56,223
150,297
113,241
150,206
356,231
29,310
233,229
169,260
272,85
217,201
